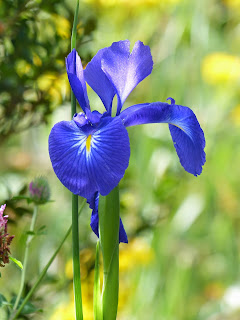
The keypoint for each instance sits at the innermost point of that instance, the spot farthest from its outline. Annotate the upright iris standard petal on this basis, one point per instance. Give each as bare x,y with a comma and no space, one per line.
126,70
76,79
186,132
98,80
93,204
86,163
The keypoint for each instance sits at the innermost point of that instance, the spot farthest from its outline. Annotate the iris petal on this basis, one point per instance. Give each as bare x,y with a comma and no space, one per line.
76,79
122,233
101,168
126,70
185,130
93,204
98,80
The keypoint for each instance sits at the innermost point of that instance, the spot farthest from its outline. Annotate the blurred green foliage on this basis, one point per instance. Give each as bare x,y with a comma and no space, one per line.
34,41
183,258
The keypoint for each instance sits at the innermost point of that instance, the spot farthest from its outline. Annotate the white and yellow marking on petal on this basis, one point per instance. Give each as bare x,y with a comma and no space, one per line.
187,132
88,143
177,126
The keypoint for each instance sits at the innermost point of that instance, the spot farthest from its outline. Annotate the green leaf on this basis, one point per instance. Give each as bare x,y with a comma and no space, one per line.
74,29
31,233
20,211
97,301
29,200
3,300
109,238
28,307
41,231
17,262
109,216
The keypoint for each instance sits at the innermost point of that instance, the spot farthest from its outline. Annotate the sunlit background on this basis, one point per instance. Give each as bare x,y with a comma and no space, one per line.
182,260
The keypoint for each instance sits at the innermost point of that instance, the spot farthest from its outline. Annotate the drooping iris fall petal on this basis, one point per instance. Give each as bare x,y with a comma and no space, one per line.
86,163
187,135
93,203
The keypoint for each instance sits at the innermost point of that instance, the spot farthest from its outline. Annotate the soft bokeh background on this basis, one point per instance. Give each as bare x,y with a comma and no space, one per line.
182,260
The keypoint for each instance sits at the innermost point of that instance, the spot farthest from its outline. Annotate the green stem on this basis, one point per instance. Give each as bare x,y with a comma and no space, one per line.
109,239
25,260
73,46
75,231
76,260
97,301
74,29
44,271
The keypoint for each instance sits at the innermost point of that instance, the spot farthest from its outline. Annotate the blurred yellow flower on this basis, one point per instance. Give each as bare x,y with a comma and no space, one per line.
227,198
65,311
55,85
133,3
22,68
46,80
137,252
63,26
36,60
220,68
86,259
69,269
235,115
233,4
87,298
214,290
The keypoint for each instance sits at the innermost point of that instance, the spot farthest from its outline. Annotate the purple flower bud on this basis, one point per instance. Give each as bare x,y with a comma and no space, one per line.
39,190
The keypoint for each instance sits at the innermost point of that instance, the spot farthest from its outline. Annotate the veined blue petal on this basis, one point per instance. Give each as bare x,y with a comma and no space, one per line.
76,79
122,233
98,81
187,135
93,201
93,204
86,163
126,70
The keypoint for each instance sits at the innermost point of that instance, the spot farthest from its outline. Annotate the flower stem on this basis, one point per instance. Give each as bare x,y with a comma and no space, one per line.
76,260
75,232
44,271
74,28
109,239
25,260
97,301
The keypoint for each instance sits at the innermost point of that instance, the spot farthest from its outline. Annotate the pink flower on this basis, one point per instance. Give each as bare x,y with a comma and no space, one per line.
3,219
5,238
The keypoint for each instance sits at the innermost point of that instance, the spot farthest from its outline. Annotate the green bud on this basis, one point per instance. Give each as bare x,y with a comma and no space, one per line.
39,190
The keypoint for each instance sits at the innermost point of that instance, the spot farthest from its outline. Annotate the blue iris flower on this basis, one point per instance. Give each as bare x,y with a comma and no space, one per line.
91,153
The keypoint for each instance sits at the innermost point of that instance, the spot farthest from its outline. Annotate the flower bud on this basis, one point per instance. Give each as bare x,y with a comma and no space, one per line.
39,190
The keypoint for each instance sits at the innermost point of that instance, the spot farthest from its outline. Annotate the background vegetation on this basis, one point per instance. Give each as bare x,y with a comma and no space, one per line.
182,262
